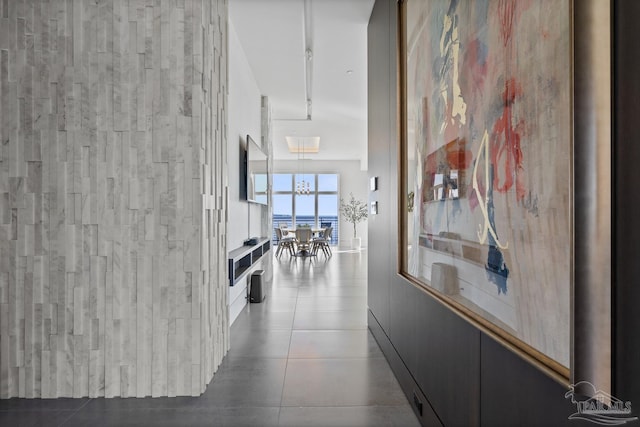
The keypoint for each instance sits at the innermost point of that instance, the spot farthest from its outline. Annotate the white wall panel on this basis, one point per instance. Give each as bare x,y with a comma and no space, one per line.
113,170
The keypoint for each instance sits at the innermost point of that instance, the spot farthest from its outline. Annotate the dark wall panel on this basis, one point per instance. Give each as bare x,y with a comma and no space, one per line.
402,317
467,377
513,392
626,137
448,368
421,406
378,148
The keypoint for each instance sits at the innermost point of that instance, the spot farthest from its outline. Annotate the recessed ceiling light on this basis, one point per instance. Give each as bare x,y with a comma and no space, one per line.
349,72
300,144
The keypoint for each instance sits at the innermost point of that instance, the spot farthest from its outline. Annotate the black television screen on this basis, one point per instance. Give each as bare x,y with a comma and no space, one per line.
257,173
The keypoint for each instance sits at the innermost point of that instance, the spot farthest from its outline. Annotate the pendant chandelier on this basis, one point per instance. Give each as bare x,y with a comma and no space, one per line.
302,186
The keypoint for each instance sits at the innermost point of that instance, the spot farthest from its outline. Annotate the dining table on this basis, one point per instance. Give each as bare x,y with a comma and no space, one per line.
305,251
314,231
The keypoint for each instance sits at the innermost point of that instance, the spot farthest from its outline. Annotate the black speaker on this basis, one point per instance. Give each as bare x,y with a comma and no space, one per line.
256,294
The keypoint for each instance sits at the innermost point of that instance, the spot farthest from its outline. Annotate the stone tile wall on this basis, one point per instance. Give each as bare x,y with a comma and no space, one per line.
113,195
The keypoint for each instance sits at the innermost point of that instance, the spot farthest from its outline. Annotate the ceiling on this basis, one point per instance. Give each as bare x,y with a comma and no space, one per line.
275,34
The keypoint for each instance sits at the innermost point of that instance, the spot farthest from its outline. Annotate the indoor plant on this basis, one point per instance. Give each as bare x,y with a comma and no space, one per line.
354,211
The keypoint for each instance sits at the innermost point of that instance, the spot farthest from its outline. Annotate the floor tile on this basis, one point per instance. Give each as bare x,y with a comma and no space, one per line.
332,291
177,417
129,404
246,382
263,319
334,303
241,417
333,344
61,404
33,418
274,304
267,343
276,291
341,382
331,320
350,416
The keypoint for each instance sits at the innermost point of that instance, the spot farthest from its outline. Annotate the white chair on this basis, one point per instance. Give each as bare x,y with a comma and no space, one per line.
323,242
285,242
303,241
283,227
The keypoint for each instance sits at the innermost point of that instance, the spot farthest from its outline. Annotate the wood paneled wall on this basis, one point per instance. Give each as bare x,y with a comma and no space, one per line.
112,197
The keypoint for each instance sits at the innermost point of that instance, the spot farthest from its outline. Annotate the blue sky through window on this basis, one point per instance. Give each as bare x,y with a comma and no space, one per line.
328,182
282,182
327,203
304,209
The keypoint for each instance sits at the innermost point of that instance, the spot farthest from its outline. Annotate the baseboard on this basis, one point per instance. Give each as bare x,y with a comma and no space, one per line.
421,406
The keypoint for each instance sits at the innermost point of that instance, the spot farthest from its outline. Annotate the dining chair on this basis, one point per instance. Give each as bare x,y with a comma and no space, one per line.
323,242
303,241
284,227
326,225
285,242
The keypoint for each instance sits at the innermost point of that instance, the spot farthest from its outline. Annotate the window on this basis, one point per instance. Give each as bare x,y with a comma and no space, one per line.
328,182
282,182
282,210
305,210
319,208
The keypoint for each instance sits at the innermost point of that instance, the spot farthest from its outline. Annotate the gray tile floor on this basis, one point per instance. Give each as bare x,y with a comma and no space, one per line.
303,357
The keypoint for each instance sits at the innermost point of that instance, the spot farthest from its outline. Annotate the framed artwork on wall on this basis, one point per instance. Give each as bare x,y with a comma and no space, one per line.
487,153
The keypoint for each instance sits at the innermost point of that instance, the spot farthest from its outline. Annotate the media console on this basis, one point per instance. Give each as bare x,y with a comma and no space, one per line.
243,258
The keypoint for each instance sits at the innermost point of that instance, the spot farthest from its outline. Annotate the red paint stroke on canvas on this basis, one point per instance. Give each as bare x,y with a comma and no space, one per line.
505,149
509,13
506,15
454,156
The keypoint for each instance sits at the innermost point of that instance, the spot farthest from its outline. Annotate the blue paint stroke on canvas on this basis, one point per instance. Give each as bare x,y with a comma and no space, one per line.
497,270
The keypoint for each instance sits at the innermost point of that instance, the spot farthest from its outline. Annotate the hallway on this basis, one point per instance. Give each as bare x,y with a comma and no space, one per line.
302,357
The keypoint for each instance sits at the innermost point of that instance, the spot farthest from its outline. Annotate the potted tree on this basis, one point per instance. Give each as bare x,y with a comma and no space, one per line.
354,211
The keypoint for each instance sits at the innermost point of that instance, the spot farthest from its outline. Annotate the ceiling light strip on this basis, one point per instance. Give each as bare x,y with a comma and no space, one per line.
308,54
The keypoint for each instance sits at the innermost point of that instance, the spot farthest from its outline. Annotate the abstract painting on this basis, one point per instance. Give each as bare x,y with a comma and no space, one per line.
488,157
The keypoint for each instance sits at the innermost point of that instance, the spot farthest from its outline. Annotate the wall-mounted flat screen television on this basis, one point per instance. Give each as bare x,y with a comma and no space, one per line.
256,173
